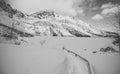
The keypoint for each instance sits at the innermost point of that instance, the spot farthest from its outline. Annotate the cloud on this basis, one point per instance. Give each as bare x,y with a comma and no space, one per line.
69,7
4,0
83,6
97,17
110,10
62,6
107,5
107,10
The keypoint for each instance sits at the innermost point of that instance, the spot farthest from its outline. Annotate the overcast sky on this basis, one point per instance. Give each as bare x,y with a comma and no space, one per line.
88,10
30,6
73,7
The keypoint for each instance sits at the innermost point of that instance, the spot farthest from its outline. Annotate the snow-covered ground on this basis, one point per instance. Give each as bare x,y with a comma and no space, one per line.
43,55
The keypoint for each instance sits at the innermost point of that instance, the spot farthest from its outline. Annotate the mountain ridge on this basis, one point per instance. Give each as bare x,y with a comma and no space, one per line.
48,23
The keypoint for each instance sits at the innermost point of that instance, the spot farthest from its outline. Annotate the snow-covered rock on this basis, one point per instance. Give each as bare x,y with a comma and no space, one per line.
48,23
51,23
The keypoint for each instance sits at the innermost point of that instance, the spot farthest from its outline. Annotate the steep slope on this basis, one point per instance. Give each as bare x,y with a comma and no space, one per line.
7,19
47,23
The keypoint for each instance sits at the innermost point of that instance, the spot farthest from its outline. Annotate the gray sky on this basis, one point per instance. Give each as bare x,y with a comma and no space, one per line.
70,7
29,6
91,11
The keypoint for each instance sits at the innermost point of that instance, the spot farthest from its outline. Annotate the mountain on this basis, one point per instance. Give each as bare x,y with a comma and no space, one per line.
54,24
46,23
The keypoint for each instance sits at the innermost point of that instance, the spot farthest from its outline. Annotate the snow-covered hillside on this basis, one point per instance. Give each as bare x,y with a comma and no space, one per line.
47,23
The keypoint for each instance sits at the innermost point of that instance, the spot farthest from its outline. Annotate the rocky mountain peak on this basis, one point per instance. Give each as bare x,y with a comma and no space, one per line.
44,14
7,8
45,23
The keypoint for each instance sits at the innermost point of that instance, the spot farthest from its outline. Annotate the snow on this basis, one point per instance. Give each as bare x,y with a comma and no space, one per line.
33,25
56,23
45,55
37,60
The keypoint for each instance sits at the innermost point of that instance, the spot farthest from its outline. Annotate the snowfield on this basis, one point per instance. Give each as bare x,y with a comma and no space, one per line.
46,42
38,60
45,55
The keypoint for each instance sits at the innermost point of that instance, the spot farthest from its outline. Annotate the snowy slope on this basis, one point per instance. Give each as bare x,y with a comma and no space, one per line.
53,24
48,23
